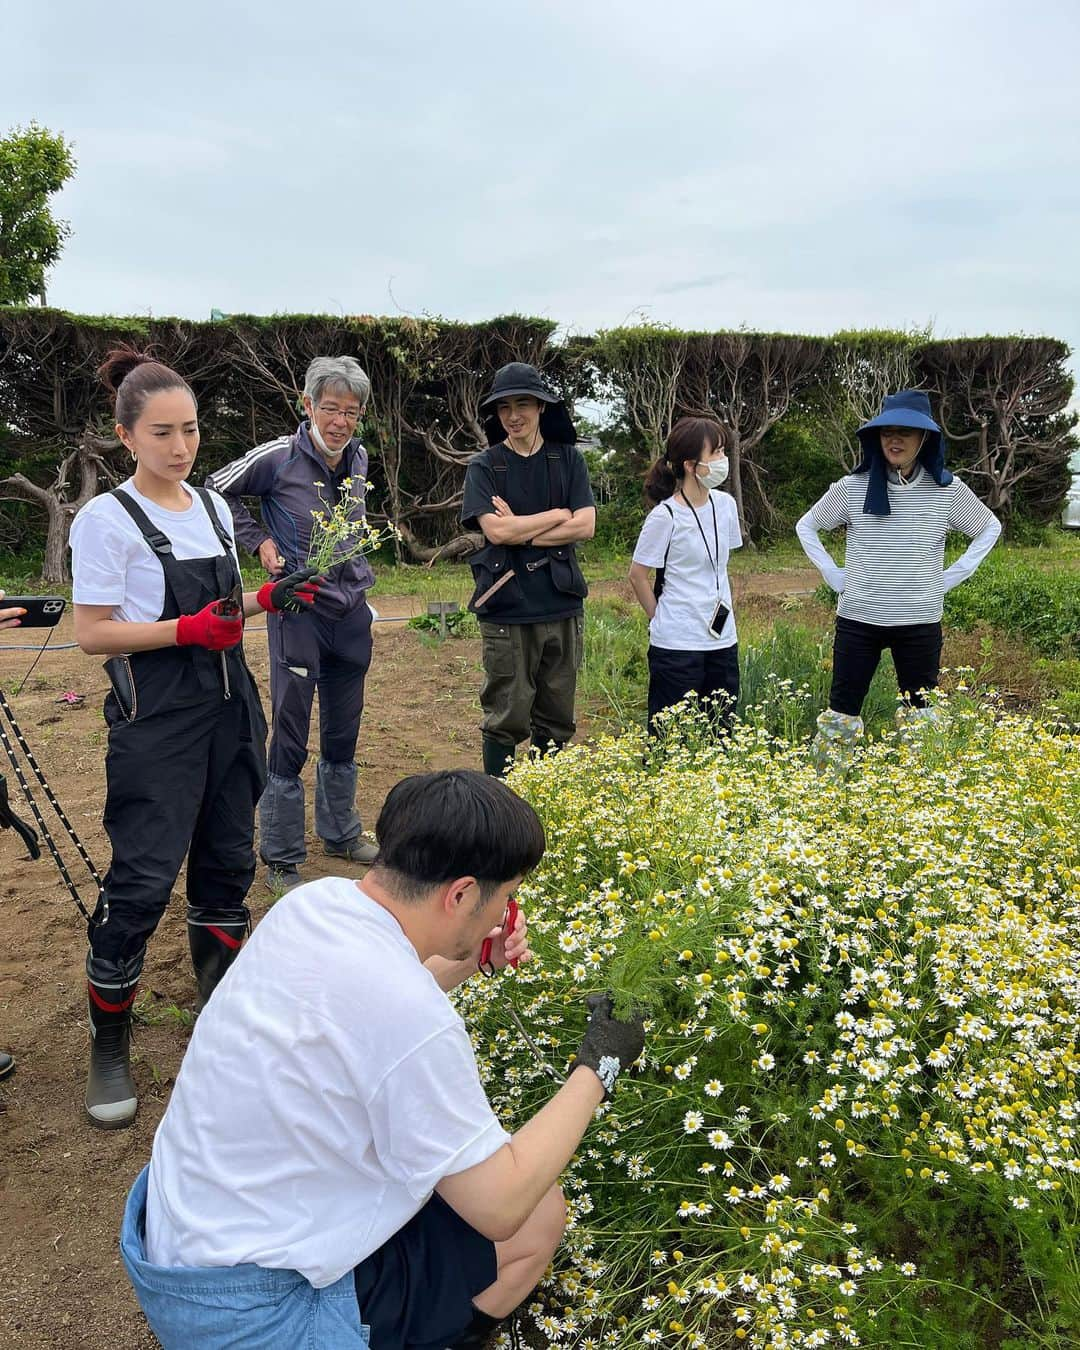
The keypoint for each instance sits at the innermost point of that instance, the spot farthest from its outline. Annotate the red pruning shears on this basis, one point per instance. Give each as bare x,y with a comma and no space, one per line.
509,924
485,963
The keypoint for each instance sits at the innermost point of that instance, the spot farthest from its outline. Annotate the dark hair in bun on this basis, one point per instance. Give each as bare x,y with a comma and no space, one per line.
131,377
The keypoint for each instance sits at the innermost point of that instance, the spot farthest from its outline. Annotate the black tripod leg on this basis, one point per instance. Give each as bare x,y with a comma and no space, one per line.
10,821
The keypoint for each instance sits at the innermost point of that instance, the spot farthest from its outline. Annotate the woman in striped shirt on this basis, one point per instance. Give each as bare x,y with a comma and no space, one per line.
896,508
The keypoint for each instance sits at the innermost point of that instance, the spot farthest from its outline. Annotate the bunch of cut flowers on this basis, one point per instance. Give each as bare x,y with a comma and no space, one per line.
338,535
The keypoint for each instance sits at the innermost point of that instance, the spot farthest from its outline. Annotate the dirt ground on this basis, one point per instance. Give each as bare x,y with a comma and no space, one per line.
63,1183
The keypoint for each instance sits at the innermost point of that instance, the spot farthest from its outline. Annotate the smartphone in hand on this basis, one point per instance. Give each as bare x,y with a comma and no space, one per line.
42,611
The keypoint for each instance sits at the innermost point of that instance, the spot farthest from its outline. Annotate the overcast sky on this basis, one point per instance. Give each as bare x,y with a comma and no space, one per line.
783,165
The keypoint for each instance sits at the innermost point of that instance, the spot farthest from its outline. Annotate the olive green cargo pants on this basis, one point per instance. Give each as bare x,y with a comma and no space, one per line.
530,678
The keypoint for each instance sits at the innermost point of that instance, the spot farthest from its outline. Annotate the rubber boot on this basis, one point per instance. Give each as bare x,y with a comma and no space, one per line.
545,745
215,937
7,1064
912,722
833,748
498,757
111,1100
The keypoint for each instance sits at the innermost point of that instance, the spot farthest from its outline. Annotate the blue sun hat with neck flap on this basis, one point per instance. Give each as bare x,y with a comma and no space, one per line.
908,408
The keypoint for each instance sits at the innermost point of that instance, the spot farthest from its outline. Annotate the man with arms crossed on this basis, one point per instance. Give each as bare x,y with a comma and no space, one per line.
329,1171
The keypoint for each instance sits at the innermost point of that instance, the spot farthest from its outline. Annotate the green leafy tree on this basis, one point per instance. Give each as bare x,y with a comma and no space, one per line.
34,164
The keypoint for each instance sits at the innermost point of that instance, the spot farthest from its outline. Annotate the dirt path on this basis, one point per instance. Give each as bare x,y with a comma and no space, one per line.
63,1183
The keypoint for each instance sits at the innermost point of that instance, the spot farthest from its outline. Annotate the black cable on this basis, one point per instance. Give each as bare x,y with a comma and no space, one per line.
5,708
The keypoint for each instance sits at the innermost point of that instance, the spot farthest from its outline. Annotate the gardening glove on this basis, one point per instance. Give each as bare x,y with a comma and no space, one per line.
294,594
209,628
610,1045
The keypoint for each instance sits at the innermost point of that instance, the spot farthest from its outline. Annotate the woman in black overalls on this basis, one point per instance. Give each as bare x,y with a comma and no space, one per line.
186,756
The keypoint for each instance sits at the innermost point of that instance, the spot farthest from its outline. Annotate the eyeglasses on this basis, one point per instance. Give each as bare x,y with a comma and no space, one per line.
350,415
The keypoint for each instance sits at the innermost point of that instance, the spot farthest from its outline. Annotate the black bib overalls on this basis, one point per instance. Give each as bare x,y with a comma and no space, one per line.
183,772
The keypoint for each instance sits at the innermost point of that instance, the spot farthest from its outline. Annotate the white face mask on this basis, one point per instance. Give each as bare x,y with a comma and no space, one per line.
715,474
319,443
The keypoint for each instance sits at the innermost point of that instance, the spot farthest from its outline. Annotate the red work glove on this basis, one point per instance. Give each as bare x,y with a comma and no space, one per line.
294,593
209,629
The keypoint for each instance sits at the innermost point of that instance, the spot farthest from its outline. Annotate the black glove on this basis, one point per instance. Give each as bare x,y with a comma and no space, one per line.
609,1045
295,594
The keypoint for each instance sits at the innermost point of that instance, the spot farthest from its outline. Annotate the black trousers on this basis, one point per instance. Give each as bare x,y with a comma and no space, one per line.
857,648
673,675
180,781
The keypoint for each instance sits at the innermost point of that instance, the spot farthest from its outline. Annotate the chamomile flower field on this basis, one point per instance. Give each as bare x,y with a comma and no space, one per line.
856,1118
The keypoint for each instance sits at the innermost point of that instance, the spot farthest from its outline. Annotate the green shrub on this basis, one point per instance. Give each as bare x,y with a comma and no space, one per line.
1016,595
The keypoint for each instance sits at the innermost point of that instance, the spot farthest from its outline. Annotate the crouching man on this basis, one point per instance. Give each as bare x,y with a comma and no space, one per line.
329,1172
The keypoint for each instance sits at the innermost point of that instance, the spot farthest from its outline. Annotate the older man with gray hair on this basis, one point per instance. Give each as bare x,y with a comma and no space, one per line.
326,648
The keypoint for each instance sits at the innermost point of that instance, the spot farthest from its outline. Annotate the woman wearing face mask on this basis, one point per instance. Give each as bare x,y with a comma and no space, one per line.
686,540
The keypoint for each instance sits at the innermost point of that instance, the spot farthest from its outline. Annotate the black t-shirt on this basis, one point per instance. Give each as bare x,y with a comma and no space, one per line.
525,485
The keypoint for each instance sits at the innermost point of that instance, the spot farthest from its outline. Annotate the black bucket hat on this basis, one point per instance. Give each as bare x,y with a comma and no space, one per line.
516,379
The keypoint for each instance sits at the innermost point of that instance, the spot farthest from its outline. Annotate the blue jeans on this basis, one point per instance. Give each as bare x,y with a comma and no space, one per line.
236,1307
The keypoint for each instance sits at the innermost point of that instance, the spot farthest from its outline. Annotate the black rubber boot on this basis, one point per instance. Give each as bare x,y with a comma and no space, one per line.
497,757
544,745
111,1100
479,1331
215,937
7,1064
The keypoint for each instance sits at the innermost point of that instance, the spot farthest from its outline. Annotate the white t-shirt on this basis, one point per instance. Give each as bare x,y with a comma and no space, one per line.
112,564
695,575
328,1087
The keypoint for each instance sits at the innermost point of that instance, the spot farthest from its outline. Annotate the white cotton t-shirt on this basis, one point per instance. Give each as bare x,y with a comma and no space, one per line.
328,1087
112,564
695,575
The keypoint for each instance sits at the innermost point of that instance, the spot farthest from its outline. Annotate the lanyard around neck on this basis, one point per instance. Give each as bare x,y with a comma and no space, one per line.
714,558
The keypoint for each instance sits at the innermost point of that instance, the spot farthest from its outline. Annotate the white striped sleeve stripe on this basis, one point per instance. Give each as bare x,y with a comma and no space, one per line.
222,480
894,564
968,513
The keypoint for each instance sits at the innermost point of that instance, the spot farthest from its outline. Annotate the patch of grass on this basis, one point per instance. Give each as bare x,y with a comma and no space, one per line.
460,624
1064,679
1021,593
154,1011
614,677
784,679
782,556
